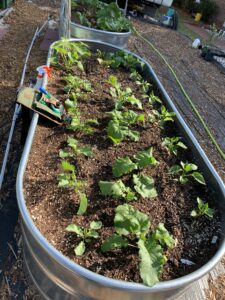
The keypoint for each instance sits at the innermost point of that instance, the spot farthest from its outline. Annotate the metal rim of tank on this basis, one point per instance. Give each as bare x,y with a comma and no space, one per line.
100,279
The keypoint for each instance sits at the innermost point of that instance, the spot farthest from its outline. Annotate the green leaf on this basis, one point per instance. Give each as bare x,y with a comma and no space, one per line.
145,158
80,249
76,229
115,241
87,151
144,185
176,169
115,132
162,235
116,189
151,261
67,166
63,180
132,134
183,179
129,220
83,204
198,177
64,153
123,166
188,167
92,233
96,225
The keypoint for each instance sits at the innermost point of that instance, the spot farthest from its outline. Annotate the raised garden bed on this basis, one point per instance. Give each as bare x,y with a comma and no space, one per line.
130,169
98,21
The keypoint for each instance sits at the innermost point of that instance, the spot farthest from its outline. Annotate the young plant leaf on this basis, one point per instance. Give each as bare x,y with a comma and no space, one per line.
76,229
198,177
145,158
80,249
163,236
96,225
115,241
203,209
116,189
129,220
151,261
144,185
123,166
83,204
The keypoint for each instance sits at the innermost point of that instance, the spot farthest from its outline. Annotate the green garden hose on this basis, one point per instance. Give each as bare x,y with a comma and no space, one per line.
212,138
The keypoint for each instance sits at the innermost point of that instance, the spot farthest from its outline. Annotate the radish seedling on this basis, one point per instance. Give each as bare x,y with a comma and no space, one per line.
74,149
86,234
173,144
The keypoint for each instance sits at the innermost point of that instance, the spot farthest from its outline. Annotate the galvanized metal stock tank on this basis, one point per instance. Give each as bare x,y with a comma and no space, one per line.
119,39
57,277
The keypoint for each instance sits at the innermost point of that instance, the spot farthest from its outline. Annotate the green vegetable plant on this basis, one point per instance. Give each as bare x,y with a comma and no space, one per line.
86,234
119,59
116,189
119,127
83,20
144,186
122,96
132,229
82,126
68,179
145,85
74,149
125,165
77,85
202,210
185,171
173,144
161,116
67,54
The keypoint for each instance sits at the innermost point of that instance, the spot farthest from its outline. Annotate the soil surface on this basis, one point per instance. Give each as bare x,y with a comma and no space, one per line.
53,209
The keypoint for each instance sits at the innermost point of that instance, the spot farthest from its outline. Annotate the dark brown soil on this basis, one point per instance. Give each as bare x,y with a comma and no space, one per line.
52,208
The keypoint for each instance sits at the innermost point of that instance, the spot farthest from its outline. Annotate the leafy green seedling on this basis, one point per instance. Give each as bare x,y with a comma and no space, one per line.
123,166
202,210
162,235
144,186
153,99
68,178
118,128
116,189
75,150
86,234
85,127
131,226
173,144
71,53
145,158
162,116
77,85
145,85
122,96
185,171
83,203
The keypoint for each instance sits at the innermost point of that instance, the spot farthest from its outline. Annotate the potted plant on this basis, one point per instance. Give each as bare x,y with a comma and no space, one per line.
116,206
99,21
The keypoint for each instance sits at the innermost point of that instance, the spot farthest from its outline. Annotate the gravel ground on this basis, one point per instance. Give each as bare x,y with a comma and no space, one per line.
203,81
